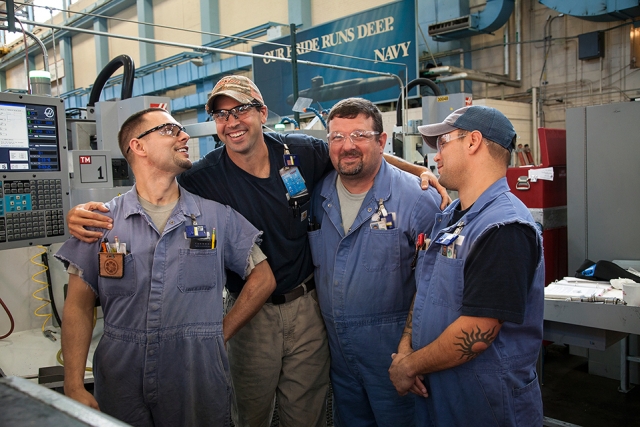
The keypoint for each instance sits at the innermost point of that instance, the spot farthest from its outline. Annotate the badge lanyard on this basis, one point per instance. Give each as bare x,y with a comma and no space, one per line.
383,220
297,193
450,240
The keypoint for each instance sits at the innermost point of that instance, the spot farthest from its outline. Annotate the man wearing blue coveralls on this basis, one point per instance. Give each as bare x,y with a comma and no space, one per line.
472,339
162,358
366,217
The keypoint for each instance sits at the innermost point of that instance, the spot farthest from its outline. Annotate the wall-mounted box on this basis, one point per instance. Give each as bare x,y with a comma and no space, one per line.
591,45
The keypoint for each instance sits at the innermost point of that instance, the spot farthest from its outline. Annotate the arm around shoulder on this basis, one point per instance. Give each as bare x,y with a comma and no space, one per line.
427,178
81,216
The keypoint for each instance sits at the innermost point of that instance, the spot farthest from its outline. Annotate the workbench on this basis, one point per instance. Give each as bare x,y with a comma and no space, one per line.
595,326
23,353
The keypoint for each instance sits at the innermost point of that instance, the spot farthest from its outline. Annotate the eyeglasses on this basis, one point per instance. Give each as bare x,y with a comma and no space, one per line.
165,129
237,112
357,136
447,137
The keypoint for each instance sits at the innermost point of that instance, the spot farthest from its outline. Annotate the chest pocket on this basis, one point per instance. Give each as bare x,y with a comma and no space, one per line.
383,249
447,289
198,270
298,220
123,287
316,243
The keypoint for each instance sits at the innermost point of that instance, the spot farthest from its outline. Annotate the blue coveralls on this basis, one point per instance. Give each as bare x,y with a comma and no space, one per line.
500,386
365,287
161,360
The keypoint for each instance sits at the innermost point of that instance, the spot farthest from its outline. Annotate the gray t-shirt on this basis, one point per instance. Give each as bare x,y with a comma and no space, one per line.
349,205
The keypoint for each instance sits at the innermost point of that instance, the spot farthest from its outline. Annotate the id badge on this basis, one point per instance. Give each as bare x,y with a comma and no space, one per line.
378,225
195,231
293,181
446,239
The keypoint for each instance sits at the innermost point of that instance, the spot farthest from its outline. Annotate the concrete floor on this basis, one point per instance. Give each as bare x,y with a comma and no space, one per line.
571,395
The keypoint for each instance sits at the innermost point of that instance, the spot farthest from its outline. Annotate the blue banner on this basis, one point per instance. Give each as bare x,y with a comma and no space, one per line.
382,36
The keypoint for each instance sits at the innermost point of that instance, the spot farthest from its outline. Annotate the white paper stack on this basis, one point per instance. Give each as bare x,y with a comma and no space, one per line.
573,287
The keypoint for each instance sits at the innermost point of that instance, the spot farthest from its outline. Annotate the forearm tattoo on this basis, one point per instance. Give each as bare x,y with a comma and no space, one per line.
475,342
408,326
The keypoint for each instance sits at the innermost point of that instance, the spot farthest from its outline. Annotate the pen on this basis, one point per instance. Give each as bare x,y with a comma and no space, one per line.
419,245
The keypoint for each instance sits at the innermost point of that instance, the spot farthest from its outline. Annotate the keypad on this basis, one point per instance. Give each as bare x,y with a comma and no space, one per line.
31,209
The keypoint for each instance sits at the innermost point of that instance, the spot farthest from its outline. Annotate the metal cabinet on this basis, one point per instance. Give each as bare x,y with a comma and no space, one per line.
603,179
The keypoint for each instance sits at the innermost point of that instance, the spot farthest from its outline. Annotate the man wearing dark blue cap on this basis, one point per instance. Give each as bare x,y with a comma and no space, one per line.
471,342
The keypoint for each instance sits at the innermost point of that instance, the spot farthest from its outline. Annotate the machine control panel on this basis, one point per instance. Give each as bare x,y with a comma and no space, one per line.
34,178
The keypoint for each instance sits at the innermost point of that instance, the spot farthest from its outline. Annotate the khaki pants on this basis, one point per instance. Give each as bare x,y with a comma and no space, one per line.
282,351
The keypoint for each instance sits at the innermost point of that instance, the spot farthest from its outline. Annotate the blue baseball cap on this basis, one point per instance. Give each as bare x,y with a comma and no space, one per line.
491,123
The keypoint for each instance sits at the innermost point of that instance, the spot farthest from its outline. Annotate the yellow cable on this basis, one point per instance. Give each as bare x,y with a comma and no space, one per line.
61,362
47,302
47,316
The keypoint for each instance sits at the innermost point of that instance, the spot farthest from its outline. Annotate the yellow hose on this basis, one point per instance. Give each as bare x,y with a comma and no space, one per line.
46,302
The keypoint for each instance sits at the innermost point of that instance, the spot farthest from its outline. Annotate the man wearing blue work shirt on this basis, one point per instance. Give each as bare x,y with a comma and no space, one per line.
366,217
472,339
159,278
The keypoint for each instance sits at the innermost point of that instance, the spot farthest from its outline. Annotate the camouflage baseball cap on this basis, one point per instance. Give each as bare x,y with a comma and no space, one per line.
239,88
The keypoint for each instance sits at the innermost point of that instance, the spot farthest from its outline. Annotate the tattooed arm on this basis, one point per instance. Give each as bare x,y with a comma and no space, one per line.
405,342
404,349
463,340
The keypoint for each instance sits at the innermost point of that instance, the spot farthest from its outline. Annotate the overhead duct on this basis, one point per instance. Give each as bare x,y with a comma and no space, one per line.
596,10
495,14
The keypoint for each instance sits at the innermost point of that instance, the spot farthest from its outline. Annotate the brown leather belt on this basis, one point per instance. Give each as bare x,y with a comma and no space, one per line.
293,294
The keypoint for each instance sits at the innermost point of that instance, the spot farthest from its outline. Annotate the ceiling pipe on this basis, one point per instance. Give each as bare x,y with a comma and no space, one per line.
506,50
458,73
45,54
478,77
518,8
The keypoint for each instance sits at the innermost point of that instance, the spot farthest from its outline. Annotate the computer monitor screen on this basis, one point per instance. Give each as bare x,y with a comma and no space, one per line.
29,139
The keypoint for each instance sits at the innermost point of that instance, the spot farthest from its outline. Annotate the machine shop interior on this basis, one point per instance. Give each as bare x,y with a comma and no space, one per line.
565,72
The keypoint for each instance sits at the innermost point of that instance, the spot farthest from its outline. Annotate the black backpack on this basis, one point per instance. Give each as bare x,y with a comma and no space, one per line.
603,271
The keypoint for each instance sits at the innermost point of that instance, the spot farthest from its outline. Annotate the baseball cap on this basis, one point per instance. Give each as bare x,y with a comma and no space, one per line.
239,88
491,123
